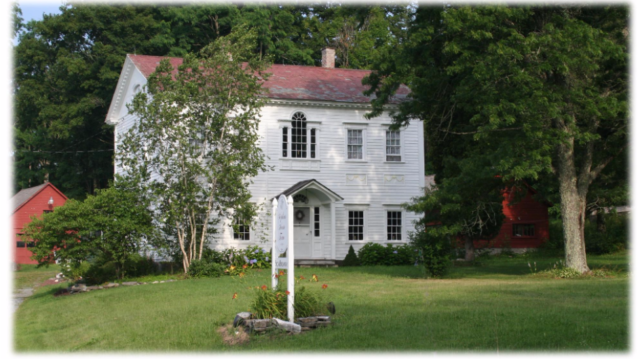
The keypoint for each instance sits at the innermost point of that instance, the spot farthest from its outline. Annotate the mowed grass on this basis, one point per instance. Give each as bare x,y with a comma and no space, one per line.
30,275
497,306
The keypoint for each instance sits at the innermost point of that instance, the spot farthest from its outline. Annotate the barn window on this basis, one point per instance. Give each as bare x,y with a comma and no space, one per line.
520,230
20,244
298,135
46,211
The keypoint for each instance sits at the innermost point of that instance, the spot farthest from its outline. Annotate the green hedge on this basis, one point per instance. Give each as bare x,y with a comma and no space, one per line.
377,254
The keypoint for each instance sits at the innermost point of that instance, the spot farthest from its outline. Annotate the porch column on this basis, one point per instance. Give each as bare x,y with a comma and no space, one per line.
333,230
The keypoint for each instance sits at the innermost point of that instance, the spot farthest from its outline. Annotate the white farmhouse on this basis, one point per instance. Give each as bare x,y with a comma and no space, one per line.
348,175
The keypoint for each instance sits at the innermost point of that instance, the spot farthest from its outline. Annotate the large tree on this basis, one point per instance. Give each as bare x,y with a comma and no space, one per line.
542,91
195,146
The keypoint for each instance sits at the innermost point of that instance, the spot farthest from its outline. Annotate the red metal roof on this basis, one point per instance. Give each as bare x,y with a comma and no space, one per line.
298,82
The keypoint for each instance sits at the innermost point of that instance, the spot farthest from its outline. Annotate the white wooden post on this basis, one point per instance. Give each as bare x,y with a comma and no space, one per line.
290,252
274,253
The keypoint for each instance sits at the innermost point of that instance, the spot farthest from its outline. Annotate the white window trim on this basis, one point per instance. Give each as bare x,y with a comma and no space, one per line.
364,144
402,142
402,226
357,207
311,124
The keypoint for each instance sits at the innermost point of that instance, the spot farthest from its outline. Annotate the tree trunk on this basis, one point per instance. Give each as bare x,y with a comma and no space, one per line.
470,254
573,216
573,201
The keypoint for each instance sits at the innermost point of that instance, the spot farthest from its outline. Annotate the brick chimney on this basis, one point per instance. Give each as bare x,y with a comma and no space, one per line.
328,58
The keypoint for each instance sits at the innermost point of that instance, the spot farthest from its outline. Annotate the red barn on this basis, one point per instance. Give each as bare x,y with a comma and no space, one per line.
26,203
526,222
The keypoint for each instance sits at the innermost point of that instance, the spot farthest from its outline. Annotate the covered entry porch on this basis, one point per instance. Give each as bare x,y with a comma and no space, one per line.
314,222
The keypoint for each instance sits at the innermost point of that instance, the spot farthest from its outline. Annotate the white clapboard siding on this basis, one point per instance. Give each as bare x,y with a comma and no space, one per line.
387,185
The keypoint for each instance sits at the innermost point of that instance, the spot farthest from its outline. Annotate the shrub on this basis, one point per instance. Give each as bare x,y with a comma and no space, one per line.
212,256
138,265
270,303
202,268
101,272
400,255
75,271
372,254
351,259
613,239
434,249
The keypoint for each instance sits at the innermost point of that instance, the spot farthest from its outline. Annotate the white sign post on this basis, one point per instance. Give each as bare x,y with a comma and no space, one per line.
283,242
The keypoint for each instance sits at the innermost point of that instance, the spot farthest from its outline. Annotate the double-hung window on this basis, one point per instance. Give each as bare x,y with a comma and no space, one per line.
355,144
241,229
393,146
356,225
394,225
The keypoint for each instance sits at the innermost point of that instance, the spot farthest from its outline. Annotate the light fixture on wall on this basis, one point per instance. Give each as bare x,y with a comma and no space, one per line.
51,201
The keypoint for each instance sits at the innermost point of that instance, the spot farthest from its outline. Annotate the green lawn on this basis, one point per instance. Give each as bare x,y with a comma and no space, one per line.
496,306
30,276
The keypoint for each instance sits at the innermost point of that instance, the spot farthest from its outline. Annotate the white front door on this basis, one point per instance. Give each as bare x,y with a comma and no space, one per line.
302,233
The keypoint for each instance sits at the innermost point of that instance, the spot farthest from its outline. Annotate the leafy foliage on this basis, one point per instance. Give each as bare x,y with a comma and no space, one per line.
269,303
535,91
109,226
201,123
203,268
434,246
351,259
376,254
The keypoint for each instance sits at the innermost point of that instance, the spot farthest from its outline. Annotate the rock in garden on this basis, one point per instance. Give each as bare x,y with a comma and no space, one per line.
240,318
129,283
111,285
288,326
155,282
78,287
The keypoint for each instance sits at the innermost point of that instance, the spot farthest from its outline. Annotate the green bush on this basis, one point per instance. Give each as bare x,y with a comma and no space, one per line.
101,272
202,268
434,249
138,265
613,239
400,255
270,303
351,259
372,254
212,256
75,271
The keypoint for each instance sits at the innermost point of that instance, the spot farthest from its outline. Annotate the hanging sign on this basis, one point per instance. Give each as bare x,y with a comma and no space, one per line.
282,231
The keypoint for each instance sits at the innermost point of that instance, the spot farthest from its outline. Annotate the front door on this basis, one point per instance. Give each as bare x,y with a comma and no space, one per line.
302,232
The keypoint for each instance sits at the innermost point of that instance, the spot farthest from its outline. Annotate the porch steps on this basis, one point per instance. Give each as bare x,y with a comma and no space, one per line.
314,263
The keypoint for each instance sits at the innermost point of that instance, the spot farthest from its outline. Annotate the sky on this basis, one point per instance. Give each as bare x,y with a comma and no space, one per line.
33,10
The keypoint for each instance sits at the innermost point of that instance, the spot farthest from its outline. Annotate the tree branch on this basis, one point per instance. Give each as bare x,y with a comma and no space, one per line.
475,132
596,171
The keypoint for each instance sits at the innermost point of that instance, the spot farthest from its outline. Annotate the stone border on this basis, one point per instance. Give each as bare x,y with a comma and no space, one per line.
262,325
80,288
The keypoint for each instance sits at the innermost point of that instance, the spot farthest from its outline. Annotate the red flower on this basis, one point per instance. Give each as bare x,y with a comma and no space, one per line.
244,266
288,293
281,272
235,295
301,277
275,276
264,287
324,286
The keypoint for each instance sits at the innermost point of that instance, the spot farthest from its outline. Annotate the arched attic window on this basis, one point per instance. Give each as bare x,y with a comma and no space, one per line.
302,139
298,135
